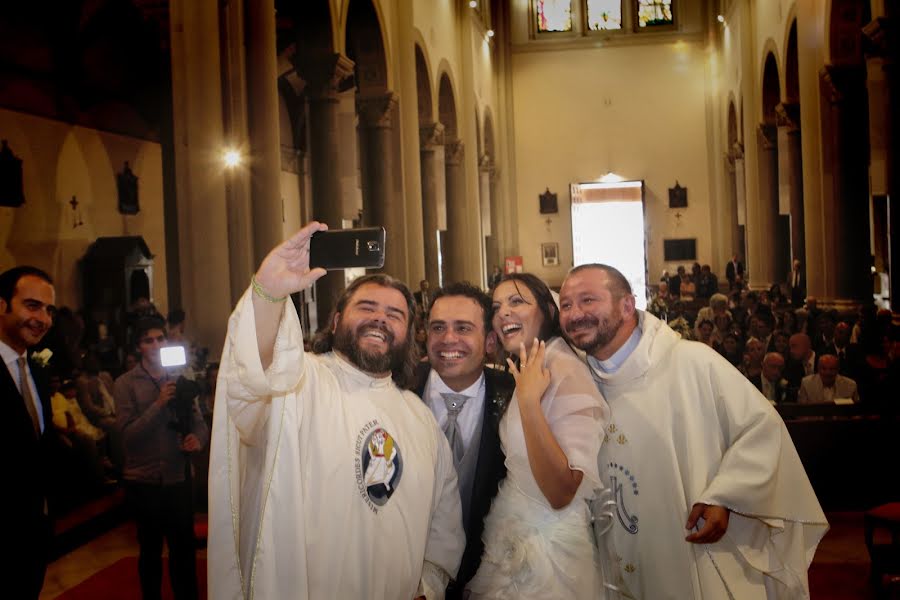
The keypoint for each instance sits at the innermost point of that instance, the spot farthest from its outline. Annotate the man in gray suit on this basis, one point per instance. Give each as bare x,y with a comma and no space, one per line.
827,385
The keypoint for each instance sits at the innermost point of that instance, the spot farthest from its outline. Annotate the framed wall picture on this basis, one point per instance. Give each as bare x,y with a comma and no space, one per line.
678,196
550,254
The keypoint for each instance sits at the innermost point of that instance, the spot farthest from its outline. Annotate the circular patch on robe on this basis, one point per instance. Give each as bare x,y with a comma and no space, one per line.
382,465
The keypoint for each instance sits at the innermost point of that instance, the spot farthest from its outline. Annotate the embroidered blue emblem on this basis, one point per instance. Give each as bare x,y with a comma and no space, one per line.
619,478
379,465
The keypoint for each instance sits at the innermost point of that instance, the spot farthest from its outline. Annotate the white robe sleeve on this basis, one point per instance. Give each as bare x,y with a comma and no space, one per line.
776,520
576,412
247,387
446,537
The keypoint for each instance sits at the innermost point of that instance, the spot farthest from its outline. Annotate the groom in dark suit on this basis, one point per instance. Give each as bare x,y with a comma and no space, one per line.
467,400
27,300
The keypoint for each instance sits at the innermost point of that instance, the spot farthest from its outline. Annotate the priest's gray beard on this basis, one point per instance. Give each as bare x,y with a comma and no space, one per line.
346,341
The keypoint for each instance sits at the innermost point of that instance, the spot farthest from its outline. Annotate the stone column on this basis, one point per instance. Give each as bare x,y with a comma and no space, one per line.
326,76
381,206
453,252
242,261
883,92
434,196
734,218
485,193
790,176
766,208
846,191
265,145
199,181
740,191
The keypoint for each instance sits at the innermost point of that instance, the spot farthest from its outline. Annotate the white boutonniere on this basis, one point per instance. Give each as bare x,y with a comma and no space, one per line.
42,358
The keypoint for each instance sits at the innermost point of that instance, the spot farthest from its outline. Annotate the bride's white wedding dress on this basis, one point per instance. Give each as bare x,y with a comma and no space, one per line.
532,550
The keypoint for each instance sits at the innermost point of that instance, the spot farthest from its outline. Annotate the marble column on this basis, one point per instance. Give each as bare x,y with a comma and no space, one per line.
434,196
378,163
790,176
199,180
326,76
766,205
846,193
263,128
453,251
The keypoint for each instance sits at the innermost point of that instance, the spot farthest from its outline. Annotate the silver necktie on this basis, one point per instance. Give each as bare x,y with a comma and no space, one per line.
28,397
454,404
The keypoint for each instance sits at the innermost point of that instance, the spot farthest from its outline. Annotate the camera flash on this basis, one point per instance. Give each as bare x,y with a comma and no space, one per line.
172,356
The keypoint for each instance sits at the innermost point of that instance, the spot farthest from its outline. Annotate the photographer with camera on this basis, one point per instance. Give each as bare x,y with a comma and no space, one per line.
161,426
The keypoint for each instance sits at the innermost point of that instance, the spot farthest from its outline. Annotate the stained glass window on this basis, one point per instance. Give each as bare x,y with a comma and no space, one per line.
553,15
604,15
653,13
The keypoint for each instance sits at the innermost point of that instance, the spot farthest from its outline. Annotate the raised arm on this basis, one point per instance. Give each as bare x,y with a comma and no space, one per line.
549,464
283,272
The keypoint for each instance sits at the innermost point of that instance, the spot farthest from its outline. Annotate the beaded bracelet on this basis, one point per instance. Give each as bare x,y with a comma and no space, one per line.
259,291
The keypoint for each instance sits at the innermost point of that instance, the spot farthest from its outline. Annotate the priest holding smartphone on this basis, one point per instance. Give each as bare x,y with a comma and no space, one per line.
328,479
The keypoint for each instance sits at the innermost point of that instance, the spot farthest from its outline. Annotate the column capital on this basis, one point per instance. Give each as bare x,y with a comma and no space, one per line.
454,151
292,159
734,154
787,114
376,111
325,75
767,136
486,163
879,33
839,81
431,136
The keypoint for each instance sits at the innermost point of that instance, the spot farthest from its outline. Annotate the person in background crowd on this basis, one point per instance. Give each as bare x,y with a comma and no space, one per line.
797,284
678,323
160,430
708,284
772,385
826,386
734,272
705,332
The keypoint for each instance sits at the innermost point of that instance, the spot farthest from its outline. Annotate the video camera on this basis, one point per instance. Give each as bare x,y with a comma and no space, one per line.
173,358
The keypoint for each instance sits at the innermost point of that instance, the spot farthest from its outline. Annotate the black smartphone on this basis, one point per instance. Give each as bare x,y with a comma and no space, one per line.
347,248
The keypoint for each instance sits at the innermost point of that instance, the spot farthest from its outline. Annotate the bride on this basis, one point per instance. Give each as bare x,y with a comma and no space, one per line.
538,539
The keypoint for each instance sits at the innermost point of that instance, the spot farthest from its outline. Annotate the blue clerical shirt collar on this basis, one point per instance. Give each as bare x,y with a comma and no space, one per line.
615,362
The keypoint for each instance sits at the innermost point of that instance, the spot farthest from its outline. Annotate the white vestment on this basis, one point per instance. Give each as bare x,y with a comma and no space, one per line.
324,481
687,427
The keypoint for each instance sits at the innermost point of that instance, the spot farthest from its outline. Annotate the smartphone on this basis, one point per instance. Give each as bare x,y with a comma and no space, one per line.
347,248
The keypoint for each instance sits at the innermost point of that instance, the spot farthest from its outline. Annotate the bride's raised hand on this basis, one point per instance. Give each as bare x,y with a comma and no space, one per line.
285,270
532,379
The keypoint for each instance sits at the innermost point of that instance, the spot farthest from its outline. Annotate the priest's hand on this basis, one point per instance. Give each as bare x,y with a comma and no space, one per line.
714,526
284,271
286,268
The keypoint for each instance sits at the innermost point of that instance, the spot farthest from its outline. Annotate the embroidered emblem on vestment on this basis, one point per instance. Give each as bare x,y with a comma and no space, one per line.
379,465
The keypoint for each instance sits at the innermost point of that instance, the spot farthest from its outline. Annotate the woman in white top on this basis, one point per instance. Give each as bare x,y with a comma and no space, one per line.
538,538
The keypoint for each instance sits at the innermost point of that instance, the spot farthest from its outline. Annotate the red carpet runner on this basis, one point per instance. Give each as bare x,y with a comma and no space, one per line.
119,581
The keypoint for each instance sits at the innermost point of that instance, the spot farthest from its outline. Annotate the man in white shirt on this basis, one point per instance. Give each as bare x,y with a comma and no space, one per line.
772,385
710,498
327,479
826,386
27,300
467,400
